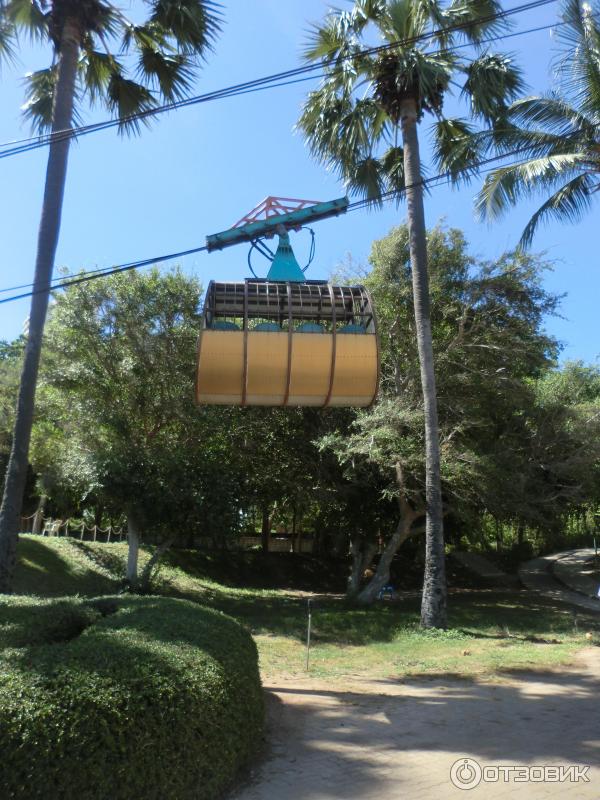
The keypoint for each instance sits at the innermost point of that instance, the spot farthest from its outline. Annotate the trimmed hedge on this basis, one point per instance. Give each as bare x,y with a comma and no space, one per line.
123,698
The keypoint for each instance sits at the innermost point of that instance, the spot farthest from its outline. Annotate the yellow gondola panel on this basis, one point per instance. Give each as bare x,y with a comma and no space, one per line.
320,349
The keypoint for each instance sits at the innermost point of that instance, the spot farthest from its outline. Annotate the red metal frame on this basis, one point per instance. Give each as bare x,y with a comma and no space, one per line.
274,207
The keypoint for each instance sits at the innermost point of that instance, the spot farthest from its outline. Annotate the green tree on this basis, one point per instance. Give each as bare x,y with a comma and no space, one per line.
566,441
116,406
11,356
353,122
488,330
89,41
559,133
285,476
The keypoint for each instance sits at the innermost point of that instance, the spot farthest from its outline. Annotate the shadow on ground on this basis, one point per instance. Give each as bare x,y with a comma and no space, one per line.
473,613
47,572
387,739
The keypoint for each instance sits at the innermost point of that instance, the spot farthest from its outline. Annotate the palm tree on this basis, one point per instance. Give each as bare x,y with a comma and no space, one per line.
97,54
560,133
353,122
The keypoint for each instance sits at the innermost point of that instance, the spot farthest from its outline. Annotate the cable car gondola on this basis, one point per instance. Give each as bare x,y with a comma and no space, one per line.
285,340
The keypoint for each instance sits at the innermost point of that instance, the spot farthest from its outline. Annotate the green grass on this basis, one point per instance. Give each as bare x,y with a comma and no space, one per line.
57,567
490,632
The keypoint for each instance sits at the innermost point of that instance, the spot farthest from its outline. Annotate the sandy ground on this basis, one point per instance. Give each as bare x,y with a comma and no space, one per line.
386,740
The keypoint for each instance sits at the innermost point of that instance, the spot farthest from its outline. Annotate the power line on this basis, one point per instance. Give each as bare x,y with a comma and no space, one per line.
272,81
104,273
433,181
36,142
218,94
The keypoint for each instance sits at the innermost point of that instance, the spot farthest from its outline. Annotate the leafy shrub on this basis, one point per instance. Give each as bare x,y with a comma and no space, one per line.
32,621
124,698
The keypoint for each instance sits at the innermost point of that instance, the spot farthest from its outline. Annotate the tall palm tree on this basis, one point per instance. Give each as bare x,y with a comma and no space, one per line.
354,122
98,55
559,133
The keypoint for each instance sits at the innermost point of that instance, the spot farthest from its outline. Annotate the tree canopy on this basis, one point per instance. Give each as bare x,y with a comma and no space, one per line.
117,428
502,451
352,120
125,66
118,424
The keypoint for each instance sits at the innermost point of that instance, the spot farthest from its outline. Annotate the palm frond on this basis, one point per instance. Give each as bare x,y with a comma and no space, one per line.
552,113
404,19
324,41
101,18
506,185
367,180
578,68
39,98
193,24
569,34
142,36
505,137
456,148
479,18
568,204
366,11
322,115
355,133
7,41
96,69
171,74
392,165
492,82
332,41
28,16
126,98
439,17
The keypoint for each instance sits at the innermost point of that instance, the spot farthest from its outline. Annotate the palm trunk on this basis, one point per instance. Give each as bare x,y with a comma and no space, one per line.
433,604
16,471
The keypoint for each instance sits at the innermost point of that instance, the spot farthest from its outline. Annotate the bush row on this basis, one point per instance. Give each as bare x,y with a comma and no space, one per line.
124,698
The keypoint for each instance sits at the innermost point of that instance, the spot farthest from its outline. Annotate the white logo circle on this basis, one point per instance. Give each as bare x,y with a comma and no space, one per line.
466,773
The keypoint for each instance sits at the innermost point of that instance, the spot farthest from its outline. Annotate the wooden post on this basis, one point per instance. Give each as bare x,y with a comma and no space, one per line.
308,636
95,531
108,536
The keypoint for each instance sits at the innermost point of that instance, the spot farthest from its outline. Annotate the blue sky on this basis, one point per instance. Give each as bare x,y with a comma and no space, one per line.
198,170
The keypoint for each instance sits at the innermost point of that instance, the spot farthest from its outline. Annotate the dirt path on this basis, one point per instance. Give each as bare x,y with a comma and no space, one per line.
386,740
578,570
538,576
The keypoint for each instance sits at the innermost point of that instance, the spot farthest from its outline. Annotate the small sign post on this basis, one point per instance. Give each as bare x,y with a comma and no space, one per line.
308,635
